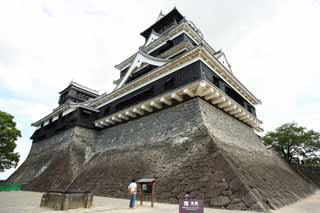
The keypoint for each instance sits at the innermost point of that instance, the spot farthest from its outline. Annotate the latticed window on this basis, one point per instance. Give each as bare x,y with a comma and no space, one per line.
169,84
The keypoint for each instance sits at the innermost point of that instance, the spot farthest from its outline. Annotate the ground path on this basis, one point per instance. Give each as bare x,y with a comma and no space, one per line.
27,202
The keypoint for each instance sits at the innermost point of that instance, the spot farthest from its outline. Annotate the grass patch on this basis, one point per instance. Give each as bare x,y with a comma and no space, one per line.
10,187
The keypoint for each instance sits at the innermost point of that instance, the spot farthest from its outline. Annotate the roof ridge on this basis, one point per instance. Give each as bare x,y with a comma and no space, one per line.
73,83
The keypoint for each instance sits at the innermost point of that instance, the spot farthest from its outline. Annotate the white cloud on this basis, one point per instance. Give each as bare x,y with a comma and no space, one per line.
279,60
44,44
24,109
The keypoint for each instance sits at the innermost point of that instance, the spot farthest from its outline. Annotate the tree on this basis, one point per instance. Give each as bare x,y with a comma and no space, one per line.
292,140
8,136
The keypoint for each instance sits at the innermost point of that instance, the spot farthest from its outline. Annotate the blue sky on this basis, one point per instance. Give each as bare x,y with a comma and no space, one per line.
44,44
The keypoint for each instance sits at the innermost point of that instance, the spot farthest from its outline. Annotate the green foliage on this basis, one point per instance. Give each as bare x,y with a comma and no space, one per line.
292,140
10,187
8,136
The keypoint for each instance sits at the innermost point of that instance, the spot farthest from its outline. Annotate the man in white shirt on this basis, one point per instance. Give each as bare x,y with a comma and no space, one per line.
132,188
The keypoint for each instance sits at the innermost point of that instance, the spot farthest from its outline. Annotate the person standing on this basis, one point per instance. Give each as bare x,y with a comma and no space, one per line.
132,188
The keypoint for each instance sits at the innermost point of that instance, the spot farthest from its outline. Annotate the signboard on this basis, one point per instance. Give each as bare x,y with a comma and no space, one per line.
191,205
147,188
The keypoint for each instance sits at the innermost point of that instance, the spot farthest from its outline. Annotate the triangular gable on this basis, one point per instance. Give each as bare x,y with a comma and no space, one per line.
161,15
140,58
153,36
223,59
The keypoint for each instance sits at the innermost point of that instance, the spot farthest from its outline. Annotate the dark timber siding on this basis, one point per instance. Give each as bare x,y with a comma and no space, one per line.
141,72
170,82
171,43
173,81
220,83
80,117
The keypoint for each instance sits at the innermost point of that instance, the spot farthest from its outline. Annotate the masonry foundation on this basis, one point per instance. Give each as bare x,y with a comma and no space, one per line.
192,147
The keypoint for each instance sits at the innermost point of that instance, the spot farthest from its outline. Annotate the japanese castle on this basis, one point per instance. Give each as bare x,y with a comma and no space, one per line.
175,64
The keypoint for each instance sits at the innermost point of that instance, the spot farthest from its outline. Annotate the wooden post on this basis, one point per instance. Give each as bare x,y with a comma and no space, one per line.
152,194
141,195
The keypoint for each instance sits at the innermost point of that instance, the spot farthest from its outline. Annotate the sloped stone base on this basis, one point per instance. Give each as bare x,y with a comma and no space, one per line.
192,147
54,163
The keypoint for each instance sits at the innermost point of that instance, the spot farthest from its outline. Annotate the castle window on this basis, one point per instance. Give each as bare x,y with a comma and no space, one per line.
169,84
106,111
222,86
141,96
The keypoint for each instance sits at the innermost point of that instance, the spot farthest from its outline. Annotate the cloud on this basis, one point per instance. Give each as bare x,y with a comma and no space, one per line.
46,44
24,109
278,59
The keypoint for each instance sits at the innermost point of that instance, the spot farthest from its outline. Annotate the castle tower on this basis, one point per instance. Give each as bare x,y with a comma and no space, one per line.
174,65
177,114
76,93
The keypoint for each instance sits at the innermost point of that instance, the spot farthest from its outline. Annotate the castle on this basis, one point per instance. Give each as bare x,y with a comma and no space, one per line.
178,114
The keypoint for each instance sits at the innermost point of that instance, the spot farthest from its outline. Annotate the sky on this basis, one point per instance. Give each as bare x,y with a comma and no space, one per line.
272,46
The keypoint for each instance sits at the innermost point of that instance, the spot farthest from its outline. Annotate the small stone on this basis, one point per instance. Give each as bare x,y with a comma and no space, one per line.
166,194
249,199
235,185
219,187
218,176
237,206
227,193
235,199
173,200
258,207
189,188
272,203
220,201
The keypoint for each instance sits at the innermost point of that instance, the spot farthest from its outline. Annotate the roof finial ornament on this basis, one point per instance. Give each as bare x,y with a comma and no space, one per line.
160,15
72,81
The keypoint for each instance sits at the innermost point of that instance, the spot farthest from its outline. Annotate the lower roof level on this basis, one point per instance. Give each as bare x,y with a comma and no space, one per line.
203,89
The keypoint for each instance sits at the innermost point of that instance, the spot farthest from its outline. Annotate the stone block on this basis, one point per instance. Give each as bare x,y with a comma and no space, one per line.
227,193
220,201
249,199
65,201
239,206
173,200
235,185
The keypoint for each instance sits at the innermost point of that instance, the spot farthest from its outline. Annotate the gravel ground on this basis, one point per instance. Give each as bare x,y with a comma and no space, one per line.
26,202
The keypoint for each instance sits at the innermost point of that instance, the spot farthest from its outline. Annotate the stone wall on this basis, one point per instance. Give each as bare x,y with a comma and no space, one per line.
55,162
192,148
175,123
267,176
311,173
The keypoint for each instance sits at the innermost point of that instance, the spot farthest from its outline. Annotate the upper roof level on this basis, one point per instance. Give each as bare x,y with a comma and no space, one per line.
163,23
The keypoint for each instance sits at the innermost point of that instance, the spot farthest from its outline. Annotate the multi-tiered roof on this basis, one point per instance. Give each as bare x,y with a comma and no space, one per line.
174,65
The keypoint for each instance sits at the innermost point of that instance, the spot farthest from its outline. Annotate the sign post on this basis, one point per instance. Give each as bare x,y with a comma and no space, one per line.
191,205
146,188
